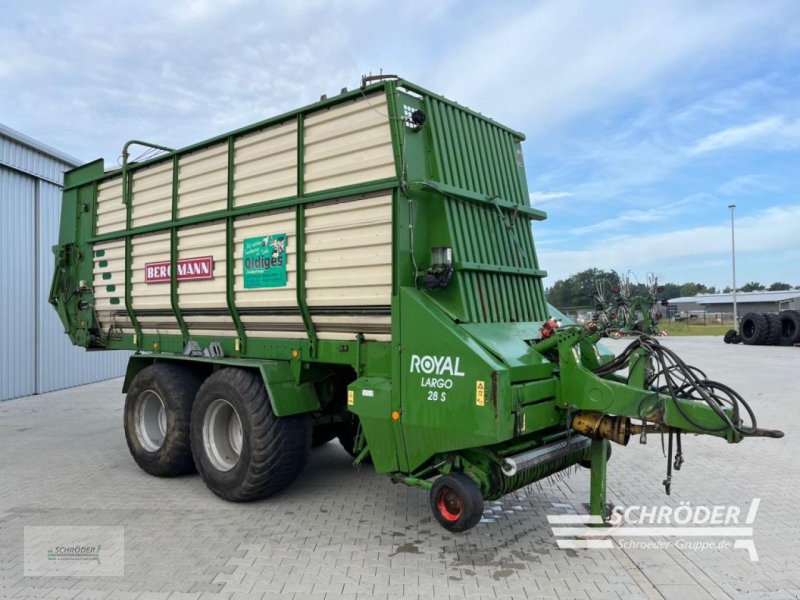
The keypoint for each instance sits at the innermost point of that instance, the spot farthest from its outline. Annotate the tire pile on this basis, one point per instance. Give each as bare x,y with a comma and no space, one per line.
767,329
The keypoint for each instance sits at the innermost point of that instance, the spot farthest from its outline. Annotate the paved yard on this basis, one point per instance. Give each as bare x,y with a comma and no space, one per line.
346,533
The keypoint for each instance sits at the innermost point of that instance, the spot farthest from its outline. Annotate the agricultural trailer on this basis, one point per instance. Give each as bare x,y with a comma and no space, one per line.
361,268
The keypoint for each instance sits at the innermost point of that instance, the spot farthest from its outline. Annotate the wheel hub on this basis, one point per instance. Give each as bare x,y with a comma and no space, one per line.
150,420
222,435
449,504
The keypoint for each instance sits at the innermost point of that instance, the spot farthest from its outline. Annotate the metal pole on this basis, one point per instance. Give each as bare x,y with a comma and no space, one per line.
597,479
733,255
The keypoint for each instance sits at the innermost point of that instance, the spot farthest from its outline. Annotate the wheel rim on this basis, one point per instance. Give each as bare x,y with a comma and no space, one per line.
222,435
150,420
449,504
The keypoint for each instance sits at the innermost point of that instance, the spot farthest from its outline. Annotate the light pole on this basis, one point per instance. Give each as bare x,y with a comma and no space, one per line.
733,254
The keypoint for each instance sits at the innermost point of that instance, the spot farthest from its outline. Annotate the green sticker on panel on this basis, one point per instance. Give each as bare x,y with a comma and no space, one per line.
265,261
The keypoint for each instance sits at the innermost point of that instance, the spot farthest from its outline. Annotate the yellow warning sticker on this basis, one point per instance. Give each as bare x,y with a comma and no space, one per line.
480,393
351,397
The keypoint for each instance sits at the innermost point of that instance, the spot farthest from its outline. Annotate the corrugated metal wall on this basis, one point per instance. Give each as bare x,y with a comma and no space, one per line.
17,289
35,354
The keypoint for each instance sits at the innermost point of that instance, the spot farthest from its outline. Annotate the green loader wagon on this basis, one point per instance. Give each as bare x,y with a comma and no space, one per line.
362,268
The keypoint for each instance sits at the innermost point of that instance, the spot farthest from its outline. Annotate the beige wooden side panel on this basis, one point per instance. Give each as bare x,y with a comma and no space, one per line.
151,190
108,284
347,144
349,253
151,301
203,181
205,294
265,165
149,249
210,325
369,337
283,327
375,328
111,212
196,242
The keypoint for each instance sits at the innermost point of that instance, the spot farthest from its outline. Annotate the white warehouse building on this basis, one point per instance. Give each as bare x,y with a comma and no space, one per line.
35,354
745,302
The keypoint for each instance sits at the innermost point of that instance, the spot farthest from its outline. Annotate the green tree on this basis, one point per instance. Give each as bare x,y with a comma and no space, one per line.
752,286
779,286
578,290
728,289
671,290
691,288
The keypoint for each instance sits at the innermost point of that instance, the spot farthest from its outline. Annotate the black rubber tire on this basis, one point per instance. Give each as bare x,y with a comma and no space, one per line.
274,449
737,339
322,434
729,335
754,329
774,335
456,502
790,327
587,462
176,386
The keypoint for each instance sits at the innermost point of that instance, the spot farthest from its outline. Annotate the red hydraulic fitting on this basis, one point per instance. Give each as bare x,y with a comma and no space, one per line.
548,328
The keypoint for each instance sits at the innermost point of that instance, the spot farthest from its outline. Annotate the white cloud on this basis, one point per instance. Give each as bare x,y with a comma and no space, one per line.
736,100
629,217
609,169
569,57
745,185
776,132
625,219
542,197
168,72
198,10
185,70
769,232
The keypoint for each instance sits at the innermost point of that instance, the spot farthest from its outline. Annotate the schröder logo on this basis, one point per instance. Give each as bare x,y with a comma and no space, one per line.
678,526
74,551
436,365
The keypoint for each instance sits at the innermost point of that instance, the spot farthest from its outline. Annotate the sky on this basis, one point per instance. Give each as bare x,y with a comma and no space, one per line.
644,120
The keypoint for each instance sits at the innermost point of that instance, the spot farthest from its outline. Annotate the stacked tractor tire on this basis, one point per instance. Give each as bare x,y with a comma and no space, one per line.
767,329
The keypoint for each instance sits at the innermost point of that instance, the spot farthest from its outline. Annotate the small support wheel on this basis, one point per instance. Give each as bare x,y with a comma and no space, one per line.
456,502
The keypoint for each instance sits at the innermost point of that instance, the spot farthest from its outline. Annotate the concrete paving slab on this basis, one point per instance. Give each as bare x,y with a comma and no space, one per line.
346,532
